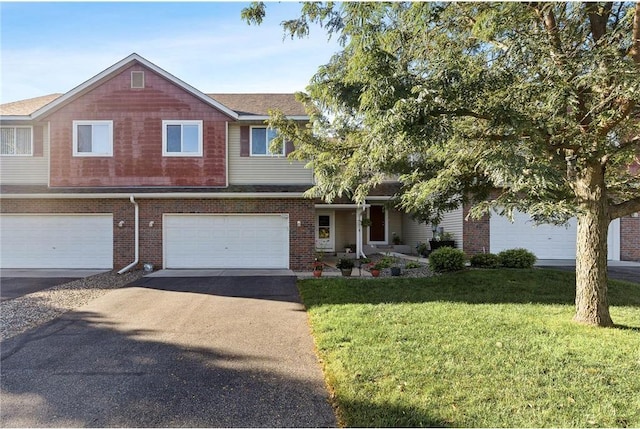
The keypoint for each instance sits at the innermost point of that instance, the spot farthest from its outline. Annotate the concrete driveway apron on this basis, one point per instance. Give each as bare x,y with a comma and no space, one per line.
171,352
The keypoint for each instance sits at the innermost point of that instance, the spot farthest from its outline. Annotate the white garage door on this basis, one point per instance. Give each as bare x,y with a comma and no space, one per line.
226,241
56,241
545,241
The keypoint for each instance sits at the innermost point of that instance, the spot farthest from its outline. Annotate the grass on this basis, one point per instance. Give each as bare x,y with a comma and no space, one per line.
480,348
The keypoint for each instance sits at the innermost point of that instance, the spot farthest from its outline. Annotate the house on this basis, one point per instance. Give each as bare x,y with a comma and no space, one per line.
136,166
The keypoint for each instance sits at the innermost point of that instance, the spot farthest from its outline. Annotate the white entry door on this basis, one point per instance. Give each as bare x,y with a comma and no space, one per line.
325,232
226,240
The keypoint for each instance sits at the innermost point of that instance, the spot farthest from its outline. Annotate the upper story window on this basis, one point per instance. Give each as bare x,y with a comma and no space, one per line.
260,142
92,138
182,138
16,141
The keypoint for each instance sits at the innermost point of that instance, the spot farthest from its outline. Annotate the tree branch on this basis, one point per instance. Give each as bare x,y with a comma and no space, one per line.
598,18
625,208
635,35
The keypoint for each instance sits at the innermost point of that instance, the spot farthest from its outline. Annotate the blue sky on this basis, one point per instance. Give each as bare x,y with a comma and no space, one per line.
53,47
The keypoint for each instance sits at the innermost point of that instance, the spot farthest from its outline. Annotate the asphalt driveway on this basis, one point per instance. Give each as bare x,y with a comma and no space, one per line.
171,352
15,283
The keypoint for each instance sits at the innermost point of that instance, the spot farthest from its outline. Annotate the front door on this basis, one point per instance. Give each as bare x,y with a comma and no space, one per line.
325,236
377,230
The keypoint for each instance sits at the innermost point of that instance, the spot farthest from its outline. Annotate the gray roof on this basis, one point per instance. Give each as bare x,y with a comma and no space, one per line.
243,104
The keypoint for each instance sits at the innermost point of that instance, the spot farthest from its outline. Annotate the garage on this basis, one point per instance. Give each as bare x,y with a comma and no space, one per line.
226,240
545,241
56,241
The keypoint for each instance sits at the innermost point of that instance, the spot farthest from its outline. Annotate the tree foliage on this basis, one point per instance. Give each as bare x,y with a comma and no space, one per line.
539,101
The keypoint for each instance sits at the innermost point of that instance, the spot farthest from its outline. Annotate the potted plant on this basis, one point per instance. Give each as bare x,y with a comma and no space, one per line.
444,239
345,266
375,269
395,271
422,249
318,265
396,240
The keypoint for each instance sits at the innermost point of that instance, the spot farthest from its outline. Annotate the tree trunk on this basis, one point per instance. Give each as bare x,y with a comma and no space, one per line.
592,305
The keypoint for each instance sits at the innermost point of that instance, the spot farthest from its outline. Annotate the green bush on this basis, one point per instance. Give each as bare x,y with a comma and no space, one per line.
517,258
385,262
412,264
485,260
446,259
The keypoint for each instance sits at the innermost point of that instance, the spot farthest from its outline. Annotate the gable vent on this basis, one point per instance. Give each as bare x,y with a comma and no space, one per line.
137,79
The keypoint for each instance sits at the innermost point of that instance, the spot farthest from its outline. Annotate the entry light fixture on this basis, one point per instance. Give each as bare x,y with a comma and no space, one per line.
121,224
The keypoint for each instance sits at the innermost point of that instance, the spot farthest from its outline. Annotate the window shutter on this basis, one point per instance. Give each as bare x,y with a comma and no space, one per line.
38,140
244,141
288,147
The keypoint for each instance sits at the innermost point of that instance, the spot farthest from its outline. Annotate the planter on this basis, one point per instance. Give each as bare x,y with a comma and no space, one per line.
346,272
317,273
375,273
395,271
444,243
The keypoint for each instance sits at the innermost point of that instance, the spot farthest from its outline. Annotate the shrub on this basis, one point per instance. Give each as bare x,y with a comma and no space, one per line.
345,263
517,258
446,259
485,260
412,264
385,262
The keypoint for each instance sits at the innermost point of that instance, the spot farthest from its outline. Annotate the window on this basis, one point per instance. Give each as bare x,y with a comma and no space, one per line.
16,141
182,138
92,138
261,138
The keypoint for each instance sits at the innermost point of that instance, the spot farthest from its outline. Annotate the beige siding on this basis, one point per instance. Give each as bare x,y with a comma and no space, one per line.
414,232
452,222
345,228
395,225
263,170
26,170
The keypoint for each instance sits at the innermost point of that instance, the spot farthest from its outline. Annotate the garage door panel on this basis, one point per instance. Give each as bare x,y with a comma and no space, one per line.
545,241
226,241
56,241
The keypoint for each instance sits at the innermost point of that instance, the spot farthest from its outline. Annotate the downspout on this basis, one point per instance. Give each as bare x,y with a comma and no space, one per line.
137,237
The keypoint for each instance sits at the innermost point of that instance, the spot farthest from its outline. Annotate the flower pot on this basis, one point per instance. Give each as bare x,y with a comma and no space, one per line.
346,272
317,273
443,243
375,273
395,271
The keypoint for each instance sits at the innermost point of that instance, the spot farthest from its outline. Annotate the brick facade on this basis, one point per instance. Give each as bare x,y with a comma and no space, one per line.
137,116
630,238
475,233
301,239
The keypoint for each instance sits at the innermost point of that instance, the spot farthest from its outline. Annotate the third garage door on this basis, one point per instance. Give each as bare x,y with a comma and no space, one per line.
226,240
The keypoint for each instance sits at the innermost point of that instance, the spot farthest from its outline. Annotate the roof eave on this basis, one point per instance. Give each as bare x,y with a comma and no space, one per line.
15,118
266,117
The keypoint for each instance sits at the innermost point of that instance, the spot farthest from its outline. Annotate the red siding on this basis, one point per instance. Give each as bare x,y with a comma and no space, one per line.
137,116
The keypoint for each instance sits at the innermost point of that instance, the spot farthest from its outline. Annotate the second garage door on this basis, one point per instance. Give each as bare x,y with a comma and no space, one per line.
545,241
226,241
56,241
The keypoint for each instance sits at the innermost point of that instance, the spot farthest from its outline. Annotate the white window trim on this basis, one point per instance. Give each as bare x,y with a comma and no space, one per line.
269,154
15,127
181,154
91,154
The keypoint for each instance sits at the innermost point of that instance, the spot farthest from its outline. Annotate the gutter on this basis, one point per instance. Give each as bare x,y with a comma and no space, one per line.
137,237
159,195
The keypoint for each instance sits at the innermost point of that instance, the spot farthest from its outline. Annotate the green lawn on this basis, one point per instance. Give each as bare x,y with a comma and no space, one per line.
481,348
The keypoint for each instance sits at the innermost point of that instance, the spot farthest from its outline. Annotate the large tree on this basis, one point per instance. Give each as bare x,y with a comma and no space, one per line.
528,106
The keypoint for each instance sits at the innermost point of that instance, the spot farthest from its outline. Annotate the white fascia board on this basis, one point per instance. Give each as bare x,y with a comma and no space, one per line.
264,118
120,64
342,206
15,118
159,195
378,198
